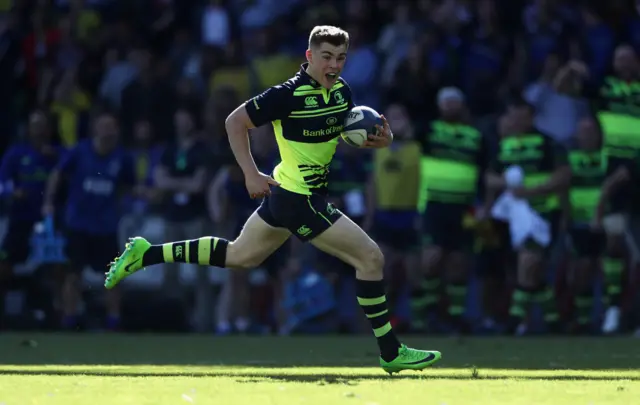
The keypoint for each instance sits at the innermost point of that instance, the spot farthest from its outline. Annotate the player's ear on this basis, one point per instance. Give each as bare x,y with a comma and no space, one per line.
308,54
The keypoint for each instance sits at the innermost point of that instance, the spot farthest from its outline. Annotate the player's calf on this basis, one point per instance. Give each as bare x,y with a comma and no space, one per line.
581,282
427,293
348,242
456,289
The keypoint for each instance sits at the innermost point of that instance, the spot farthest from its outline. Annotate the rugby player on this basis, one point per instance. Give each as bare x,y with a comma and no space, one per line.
306,112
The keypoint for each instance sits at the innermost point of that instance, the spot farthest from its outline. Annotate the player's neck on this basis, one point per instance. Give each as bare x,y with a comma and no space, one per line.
37,144
185,142
101,150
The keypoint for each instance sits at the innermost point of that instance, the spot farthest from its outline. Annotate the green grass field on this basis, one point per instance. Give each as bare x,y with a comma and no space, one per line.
197,369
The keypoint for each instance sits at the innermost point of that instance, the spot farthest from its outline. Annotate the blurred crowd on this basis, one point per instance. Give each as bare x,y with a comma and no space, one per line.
157,78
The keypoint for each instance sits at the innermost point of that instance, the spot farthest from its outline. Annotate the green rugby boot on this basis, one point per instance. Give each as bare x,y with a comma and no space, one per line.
410,359
128,262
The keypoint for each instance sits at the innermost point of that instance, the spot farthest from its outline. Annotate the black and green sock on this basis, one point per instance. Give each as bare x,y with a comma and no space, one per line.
424,299
457,294
613,268
372,299
521,299
584,308
427,295
545,297
206,251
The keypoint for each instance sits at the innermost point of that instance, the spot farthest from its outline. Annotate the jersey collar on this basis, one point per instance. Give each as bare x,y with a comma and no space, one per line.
305,76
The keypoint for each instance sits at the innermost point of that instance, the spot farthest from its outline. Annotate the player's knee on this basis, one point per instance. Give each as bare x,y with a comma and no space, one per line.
581,279
245,263
241,257
431,257
528,264
457,267
371,261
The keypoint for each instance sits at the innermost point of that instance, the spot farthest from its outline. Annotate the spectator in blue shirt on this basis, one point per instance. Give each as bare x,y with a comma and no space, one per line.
23,176
95,171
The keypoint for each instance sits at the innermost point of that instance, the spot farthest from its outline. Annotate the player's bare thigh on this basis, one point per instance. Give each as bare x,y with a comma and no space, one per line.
256,242
349,243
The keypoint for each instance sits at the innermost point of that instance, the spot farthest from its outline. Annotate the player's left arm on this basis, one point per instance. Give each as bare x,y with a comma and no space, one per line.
65,168
560,179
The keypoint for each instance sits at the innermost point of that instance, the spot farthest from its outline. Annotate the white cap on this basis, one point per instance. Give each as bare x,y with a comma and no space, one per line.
449,93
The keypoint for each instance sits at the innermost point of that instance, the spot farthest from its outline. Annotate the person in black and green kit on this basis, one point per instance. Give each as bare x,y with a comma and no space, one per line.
616,105
454,157
547,176
588,241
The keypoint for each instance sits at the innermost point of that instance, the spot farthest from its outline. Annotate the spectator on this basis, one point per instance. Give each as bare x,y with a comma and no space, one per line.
23,176
95,172
558,108
182,176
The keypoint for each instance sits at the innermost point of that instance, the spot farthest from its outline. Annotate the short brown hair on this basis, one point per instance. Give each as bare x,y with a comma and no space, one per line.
328,33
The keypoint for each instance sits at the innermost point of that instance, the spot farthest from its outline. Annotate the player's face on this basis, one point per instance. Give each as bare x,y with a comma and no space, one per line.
521,118
625,62
587,135
38,131
106,133
183,123
142,132
451,108
327,62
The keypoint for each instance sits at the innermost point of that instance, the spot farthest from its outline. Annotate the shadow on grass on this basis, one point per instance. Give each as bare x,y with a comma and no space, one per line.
326,378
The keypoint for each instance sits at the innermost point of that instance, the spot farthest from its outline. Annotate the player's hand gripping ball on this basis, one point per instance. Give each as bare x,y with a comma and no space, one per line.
365,127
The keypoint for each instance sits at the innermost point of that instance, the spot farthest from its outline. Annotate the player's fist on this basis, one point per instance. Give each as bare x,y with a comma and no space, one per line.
259,185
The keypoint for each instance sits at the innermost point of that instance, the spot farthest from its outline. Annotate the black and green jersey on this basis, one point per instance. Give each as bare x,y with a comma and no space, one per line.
539,156
618,110
454,156
589,172
307,120
617,105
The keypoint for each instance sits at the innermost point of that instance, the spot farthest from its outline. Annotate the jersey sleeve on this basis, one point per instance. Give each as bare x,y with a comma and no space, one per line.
270,105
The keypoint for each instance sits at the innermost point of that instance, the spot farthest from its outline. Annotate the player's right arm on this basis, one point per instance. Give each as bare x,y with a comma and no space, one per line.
269,106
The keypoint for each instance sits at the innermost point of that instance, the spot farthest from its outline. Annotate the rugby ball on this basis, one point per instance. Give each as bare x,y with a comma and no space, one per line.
360,122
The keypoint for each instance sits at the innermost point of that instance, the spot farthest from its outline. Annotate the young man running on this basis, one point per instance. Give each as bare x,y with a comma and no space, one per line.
307,112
